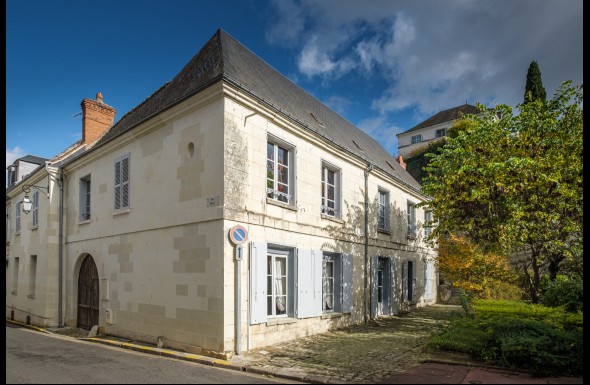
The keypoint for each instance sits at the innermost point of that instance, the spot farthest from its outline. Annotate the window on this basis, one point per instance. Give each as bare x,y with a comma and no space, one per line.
440,133
427,225
330,191
85,198
35,209
279,173
17,218
383,210
32,276
411,220
409,280
122,183
15,276
324,283
416,139
276,285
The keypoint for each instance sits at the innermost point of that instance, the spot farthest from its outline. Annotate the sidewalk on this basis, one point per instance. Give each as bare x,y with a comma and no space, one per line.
386,351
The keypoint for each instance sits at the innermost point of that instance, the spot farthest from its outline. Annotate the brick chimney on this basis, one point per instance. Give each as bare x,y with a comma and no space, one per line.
97,117
400,160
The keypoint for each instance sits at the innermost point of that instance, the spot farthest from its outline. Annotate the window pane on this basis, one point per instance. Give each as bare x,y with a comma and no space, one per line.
280,302
269,305
283,174
270,151
331,192
283,156
331,177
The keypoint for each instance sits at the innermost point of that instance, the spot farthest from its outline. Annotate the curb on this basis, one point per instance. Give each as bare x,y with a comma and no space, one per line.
216,362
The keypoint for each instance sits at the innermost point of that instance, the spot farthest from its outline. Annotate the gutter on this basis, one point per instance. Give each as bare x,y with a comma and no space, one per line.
367,302
59,180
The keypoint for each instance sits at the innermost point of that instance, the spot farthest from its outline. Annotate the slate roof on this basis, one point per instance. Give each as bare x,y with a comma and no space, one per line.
33,159
223,57
445,116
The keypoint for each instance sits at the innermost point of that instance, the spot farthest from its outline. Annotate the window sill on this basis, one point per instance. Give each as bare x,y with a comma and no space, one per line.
17,233
331,218
331,315
34,227
280,204
121,211
280,321
13,292
85,221
384,231
31,296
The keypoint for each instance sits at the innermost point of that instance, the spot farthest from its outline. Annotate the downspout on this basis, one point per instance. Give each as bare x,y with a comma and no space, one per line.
60,247
59,180
367,302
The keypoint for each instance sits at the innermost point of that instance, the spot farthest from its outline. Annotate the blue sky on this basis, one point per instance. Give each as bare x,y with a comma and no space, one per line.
383,65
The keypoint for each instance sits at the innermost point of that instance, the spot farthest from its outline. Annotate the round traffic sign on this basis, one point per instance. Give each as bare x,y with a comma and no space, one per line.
238,234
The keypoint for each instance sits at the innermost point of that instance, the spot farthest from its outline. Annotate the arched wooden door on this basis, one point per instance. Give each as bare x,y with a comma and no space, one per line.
88,294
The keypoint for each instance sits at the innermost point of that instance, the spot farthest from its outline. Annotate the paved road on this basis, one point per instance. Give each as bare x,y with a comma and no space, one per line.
34,357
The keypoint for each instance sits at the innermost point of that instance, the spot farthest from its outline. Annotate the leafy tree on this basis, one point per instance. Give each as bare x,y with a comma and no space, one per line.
470,267
534,89
514,184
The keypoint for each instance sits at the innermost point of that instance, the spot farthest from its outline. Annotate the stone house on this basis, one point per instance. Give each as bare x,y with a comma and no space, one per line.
333,236
431,130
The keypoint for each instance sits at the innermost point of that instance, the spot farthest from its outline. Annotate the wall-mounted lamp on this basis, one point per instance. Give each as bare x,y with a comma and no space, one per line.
27,203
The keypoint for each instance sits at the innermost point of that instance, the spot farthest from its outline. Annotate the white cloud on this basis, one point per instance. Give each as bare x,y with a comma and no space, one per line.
13,154
382,132
435,55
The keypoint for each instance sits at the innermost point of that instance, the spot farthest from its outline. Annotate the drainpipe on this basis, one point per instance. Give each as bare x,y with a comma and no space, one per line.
60,247
366,304
59,180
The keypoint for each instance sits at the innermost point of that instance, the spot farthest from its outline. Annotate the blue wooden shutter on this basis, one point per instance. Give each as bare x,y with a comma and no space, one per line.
405,281
428,273
374,303
309,283
258,267
394,299
347,291
414,268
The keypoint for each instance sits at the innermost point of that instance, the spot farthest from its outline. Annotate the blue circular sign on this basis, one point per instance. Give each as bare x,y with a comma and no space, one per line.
238,234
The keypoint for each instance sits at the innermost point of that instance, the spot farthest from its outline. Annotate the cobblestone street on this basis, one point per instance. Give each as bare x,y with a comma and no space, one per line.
359,354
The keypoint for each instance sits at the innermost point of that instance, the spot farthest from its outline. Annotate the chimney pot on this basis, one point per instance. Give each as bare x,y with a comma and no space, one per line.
99,97
97,118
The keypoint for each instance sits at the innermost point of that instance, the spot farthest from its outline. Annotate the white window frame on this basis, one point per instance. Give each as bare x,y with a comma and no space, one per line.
439,133
17,218
35,209
416,139
383,210
85,198
121,184
411,211
337,185
271,291
273,186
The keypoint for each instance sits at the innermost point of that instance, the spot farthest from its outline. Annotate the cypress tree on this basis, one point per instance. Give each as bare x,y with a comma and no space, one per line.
534,84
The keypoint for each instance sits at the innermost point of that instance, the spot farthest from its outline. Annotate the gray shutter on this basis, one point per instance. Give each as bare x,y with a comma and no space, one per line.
125,182
387,213
347,292
374,303
405,281
117,185
309,283
428,280
392,287
414,268
258,267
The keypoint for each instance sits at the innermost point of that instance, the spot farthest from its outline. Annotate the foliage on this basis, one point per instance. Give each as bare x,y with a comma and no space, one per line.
515,183
517,335
503,290
557,317
563,291
534,89
470,267
417,160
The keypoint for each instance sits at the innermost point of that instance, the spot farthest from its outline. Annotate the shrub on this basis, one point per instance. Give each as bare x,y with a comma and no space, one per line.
501,290
564,291
537,347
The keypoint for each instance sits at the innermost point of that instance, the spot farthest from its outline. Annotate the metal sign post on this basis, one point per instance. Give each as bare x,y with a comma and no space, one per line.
238,235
